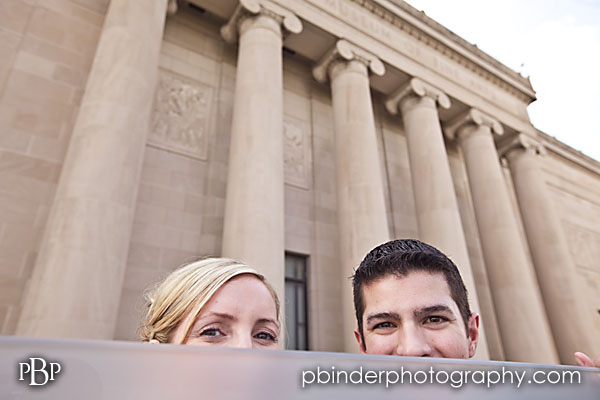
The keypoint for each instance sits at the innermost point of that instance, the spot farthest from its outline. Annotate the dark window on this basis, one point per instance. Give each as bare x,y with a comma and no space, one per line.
295,302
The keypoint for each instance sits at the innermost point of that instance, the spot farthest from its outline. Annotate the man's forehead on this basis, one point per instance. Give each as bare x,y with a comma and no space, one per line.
413,277
416,290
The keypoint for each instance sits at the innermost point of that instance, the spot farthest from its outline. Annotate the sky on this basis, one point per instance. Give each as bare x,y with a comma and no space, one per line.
554,42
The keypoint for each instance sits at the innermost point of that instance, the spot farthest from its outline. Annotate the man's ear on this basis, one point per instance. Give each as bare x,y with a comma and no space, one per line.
473,332
359,340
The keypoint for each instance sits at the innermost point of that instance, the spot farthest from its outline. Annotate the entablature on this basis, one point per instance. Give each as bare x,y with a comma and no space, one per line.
411,45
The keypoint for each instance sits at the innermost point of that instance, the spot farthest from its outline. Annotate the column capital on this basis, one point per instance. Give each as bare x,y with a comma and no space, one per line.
521,141
172,7
252,8
472,117
418,88
346,51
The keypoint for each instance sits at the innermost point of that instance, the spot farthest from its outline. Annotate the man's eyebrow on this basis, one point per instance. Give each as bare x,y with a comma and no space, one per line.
432,309
383,315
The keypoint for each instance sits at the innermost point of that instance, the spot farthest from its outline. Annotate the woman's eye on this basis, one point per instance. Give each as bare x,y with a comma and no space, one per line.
266,336
383,325
211,332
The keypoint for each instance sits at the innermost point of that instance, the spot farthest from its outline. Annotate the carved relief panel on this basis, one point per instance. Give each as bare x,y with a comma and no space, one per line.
584,245
296,153
181,115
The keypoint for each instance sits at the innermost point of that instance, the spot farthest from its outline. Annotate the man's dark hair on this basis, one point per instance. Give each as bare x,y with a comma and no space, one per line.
399,258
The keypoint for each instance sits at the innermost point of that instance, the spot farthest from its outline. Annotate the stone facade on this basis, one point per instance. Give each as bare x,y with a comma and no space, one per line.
135,138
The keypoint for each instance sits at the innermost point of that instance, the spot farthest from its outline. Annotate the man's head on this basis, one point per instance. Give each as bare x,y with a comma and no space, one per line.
410,300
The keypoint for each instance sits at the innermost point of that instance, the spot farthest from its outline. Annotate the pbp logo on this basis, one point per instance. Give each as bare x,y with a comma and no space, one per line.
40,372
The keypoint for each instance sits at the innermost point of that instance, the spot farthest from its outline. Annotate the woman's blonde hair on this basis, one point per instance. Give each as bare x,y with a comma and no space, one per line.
186,290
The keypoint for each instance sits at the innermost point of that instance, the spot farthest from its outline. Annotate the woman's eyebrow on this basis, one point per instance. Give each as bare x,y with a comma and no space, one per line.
220,315
383,315
266,321
443,308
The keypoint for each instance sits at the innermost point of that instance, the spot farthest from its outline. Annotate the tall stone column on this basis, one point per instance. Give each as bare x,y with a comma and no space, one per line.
435,200
76,283
554,266
254,214
362,220
524,327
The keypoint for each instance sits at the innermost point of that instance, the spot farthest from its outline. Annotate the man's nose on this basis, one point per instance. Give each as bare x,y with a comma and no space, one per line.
413,342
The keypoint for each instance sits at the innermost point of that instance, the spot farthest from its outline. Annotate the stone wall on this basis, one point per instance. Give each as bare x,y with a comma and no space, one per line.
179,212
575,193
46,51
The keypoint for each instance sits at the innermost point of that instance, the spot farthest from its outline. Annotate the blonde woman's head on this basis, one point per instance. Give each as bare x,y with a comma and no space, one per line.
214,301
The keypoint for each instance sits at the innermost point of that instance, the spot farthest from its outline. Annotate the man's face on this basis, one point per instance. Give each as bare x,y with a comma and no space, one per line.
415,316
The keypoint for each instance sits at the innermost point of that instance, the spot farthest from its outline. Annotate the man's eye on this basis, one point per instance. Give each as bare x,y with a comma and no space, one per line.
436,319
383,325
211,332
266,336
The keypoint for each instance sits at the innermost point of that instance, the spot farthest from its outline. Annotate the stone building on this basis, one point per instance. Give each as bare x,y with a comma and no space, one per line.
136,134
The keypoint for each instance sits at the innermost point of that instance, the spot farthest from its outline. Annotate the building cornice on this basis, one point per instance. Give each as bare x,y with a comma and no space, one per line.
426,30
563,150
